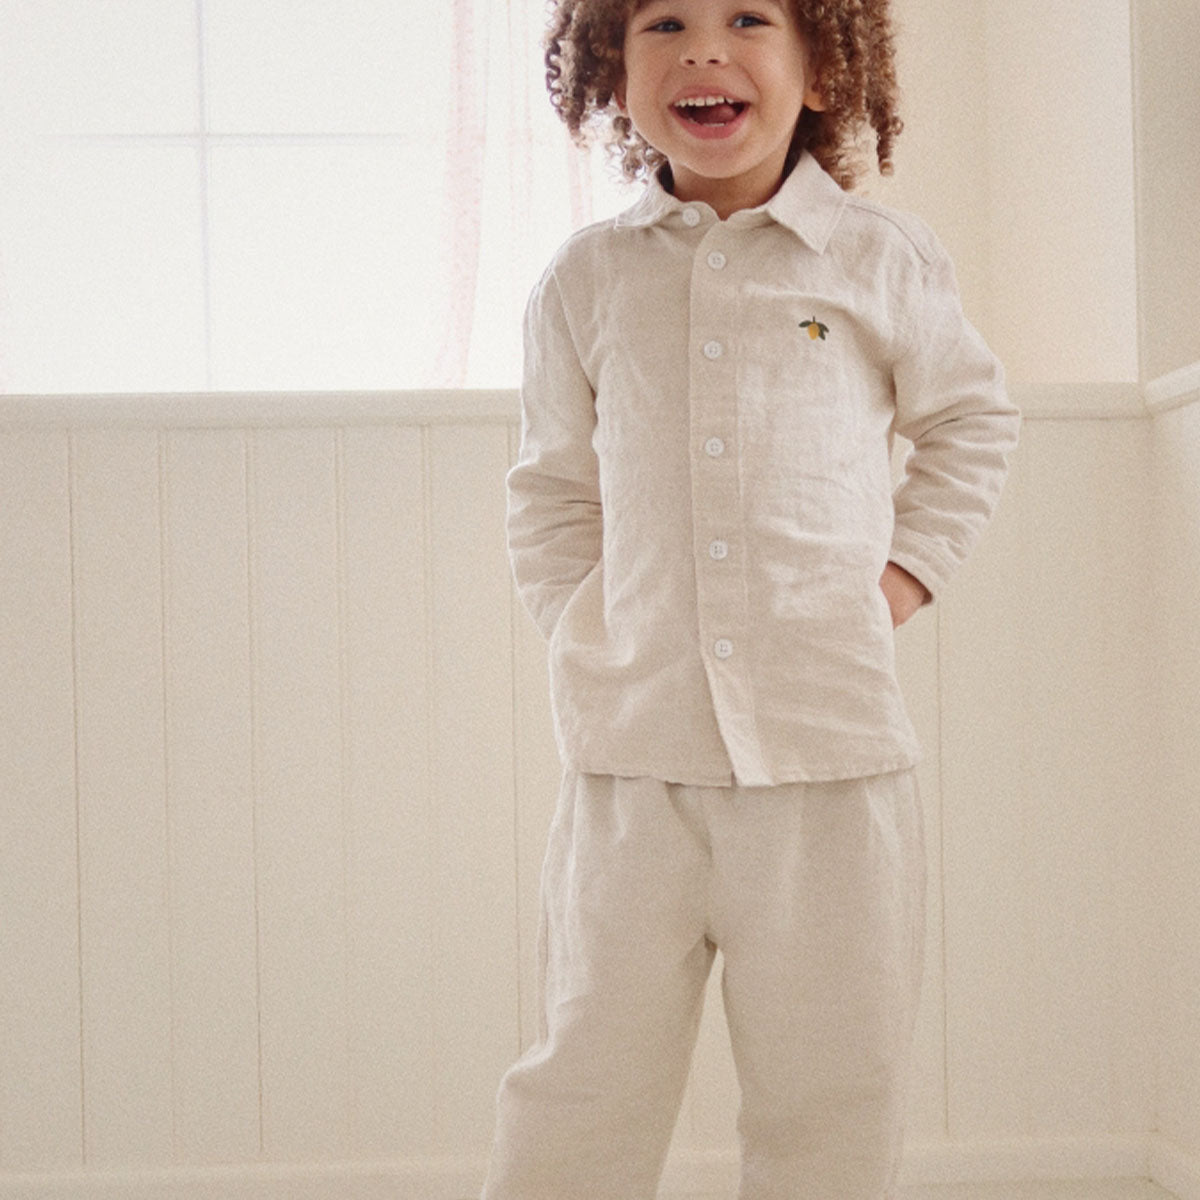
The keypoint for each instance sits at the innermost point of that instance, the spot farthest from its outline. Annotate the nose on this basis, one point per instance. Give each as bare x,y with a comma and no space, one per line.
703,48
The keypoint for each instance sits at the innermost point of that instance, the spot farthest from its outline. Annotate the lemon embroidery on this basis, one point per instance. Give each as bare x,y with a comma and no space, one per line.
815,328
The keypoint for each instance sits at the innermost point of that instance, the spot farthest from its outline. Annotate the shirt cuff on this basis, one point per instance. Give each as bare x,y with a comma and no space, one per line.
922,562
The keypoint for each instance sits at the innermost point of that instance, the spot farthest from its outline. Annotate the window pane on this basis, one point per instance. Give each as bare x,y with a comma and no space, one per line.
75,67
320,260
265,194
355,66
102,271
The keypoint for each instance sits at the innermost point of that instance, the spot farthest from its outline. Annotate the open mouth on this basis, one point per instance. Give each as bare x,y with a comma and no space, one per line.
709,110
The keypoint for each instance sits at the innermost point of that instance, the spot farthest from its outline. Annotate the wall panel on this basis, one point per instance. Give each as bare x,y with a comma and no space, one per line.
474,818
299,822
1045,718
210,784
392,892
1174,948
125,939
40,1082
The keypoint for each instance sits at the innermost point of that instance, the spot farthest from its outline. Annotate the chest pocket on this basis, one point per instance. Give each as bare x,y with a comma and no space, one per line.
806,386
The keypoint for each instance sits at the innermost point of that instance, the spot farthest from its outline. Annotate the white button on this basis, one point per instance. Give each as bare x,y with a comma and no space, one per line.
718,549
716,260
713,349
691,217
723,648
714,447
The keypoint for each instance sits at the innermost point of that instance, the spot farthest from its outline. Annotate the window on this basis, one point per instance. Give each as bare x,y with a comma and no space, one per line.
277,194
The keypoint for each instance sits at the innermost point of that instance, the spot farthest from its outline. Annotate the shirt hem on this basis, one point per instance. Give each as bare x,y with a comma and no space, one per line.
728,777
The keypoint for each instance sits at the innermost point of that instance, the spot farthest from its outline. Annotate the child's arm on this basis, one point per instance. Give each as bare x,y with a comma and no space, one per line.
952,405
554,515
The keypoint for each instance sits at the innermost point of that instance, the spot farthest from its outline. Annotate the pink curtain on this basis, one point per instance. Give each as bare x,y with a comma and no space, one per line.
462,188
513,187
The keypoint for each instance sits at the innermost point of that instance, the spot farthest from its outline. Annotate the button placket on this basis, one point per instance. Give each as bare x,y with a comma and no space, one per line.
721,586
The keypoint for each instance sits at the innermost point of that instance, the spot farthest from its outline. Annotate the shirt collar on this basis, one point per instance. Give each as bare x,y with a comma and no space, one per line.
809,204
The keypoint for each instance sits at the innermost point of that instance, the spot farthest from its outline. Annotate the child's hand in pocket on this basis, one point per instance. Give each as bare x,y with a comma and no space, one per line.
905,594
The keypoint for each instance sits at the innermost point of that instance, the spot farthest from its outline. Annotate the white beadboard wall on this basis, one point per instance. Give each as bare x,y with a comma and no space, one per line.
1166,37
1174,941
277,766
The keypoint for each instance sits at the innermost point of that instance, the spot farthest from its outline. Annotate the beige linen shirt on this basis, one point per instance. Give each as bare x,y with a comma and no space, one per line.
703,501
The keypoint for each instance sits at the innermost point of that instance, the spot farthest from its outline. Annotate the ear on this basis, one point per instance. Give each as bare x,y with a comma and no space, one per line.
813,99
619,97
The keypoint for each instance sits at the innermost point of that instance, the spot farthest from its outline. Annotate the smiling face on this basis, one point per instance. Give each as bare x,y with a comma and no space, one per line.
717,86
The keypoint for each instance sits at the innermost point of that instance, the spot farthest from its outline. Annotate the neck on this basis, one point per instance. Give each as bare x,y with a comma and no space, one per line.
725,196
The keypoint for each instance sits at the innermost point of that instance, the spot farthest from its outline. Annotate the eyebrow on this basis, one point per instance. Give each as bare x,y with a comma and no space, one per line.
779,5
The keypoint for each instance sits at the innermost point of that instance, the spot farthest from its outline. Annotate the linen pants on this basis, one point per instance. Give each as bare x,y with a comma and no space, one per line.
814,893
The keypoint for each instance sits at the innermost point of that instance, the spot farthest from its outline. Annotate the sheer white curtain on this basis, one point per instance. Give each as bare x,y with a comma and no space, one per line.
272,195
514,185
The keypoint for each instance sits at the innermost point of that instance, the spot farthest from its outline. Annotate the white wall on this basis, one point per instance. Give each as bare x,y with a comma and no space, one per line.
1061,190
258,776
1175,803
1167,42
1167,36
1019,151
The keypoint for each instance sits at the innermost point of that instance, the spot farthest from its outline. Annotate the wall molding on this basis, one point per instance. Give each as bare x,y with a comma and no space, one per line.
1012,1160
1100,401
254,410
409,1179
270,410
688,1176
1176,389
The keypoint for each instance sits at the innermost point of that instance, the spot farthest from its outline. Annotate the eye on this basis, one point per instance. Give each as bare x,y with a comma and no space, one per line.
747,21
667,25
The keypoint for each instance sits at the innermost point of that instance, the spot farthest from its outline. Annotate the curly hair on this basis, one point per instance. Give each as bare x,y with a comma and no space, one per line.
850,41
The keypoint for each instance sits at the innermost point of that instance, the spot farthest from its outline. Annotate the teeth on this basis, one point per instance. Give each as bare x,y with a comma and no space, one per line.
704,101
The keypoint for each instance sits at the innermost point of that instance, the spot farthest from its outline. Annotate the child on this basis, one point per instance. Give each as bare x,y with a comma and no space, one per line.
702,524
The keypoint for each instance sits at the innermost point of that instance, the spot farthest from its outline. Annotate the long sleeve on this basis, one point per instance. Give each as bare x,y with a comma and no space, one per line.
554,514
952,405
